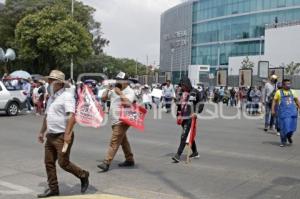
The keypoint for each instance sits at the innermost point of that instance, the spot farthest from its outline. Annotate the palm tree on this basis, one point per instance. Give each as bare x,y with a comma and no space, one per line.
292,68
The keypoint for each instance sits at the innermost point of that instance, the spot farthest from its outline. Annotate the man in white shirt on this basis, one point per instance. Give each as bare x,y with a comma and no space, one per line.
58,123
169,94
121,95
269,92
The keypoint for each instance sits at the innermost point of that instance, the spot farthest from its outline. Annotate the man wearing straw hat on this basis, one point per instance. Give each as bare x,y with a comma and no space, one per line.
121,95
58,123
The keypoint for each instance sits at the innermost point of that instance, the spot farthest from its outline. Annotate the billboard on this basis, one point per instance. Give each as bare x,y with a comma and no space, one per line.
263,68
222,77
245,78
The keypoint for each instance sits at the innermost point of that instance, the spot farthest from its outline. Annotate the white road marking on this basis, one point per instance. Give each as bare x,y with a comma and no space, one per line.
14,189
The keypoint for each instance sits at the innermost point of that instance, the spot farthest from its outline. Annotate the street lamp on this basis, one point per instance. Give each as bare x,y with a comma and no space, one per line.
72,63
220,43
172,60
260,47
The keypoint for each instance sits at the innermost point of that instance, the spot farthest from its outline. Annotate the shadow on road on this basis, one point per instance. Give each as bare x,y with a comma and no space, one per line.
67,190
271,143
280,181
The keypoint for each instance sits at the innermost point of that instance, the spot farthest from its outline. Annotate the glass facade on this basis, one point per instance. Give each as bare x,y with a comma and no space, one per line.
235,27
207,9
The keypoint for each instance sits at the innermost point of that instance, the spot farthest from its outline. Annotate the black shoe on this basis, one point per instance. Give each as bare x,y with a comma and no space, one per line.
104,167
126,164
265,129
176,158
48,193
195,155
290,139
85,182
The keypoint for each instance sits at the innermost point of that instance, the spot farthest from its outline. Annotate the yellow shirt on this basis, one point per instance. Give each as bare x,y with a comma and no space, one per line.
277,96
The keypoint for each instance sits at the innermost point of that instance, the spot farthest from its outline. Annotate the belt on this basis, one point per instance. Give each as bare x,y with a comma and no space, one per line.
55,134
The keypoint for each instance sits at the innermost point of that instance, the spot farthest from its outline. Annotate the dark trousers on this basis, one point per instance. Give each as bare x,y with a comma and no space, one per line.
148,104
168,103
186,126
53,152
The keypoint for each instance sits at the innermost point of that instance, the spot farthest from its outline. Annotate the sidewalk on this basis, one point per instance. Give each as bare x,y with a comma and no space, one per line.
97,196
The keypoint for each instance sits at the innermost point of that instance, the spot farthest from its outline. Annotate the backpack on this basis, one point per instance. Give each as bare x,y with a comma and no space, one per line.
199,102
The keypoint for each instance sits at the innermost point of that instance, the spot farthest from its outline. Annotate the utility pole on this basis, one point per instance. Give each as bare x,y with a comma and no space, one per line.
136,69
147,62
172,62
72,63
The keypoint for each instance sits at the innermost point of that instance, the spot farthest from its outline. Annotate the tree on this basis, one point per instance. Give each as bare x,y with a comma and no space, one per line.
51,37
292,69
109,65
15,10
247,64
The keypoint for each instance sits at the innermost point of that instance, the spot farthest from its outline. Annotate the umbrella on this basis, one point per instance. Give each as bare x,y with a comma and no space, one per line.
133,80
20,74
37,77
2,55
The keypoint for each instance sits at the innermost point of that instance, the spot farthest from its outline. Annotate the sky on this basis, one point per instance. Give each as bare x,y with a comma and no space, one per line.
132,26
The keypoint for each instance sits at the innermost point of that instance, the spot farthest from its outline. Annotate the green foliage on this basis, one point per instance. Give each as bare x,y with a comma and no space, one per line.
247,64
109,65
15,10
51,37
45,36
292,68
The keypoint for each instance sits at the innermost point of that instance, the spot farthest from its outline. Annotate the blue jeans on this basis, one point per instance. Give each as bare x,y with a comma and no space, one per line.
269,119
283,137
28,103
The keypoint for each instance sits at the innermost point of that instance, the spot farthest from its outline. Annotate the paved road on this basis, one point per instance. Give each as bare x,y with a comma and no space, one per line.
238,161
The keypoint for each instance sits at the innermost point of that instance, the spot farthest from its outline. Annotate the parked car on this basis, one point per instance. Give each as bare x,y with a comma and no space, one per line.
12,100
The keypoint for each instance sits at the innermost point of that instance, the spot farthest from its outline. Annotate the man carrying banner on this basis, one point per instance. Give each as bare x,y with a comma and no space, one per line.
58,123
191,103
122,95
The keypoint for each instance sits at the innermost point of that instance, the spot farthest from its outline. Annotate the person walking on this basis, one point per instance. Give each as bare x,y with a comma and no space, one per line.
146,97
169,94
288,103
242,97
187,109
58,126
122,95
232,97
269,92
255,95
27,89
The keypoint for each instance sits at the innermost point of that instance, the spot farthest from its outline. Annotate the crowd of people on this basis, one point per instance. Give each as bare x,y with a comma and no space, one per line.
56,98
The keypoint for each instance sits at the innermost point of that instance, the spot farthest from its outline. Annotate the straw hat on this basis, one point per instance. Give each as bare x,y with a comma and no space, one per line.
274,77
57,75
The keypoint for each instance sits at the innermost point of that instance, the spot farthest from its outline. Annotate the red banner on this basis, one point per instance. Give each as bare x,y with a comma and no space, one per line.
134,116
193,132
88,111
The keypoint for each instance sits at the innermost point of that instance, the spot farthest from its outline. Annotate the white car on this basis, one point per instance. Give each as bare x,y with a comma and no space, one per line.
11,100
